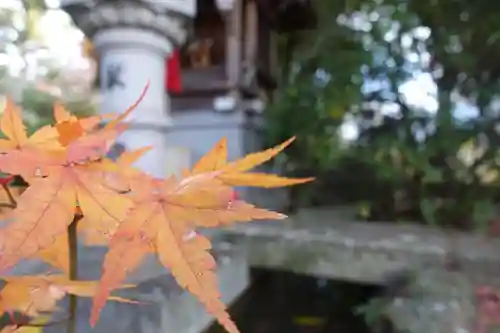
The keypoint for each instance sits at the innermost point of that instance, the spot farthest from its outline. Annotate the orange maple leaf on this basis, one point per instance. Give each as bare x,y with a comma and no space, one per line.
213,160
98,228
34,156
37,220
96,144
164,217
33,295
131,212
70,128
234,174
68,177
57,254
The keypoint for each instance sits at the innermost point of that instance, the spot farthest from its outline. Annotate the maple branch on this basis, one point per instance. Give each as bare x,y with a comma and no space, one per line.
73,270
6,205
27,323
12,201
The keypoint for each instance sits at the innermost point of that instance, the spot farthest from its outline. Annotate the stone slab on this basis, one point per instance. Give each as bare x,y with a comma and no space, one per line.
358,251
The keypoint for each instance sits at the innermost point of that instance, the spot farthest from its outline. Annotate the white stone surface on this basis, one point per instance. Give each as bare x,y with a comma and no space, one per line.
136,37
225,5
186,7
133,39
74,2
140,56
177,159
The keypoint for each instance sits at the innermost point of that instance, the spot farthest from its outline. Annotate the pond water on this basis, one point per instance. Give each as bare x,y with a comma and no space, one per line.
284,302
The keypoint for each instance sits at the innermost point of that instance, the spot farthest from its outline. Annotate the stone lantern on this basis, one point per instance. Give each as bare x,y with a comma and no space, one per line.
132,39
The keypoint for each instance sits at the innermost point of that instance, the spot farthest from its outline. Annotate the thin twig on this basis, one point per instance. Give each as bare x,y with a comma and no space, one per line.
30,324
73,271
12,200
7,205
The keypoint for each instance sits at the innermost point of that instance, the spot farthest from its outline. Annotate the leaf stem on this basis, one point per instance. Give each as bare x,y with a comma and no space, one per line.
73,271
27,323
12,201
6,205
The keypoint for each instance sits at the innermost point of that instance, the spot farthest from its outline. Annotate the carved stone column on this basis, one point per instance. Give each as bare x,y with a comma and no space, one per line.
132,39
231,12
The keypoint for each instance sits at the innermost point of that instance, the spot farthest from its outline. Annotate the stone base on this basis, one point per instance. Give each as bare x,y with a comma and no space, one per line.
440,302
163,305
184,314
448,265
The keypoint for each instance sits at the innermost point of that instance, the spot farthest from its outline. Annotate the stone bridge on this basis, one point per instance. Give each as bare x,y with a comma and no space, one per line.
313,244
446,265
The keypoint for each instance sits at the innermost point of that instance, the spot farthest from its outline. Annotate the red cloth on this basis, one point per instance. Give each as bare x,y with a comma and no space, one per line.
173,77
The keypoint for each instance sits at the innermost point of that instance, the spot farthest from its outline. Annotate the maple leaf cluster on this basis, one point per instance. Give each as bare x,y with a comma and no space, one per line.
71,181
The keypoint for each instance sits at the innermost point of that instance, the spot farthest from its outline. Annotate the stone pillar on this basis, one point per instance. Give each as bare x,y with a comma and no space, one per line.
132,39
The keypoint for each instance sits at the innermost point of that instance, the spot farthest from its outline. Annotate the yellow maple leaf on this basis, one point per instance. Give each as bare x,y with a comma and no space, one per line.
164,217
11,124
67,177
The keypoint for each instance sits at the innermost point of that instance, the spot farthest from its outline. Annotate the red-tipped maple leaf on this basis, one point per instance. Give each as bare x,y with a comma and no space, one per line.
4,181
70,128
68,177
164,218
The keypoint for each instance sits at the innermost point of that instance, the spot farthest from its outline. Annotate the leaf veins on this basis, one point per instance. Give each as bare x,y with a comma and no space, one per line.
164,218
59,181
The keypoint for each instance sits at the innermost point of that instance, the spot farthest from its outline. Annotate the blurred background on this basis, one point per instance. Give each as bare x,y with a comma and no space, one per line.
394,104
395,108
396,97
42,59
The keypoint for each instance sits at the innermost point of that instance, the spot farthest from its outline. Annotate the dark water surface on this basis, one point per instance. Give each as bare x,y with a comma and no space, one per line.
284,302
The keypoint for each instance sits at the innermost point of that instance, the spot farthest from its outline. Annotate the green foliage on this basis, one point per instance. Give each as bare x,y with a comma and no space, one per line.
407,161
20,35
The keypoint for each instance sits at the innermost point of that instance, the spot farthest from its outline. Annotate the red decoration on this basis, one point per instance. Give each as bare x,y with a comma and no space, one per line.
173,77
234,196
